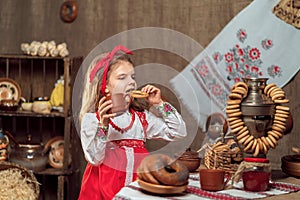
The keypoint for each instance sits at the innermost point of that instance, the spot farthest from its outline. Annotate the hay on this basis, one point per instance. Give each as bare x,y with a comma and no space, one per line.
17,183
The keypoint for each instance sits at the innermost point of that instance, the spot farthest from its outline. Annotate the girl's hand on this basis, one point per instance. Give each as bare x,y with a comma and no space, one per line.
154,97
103,110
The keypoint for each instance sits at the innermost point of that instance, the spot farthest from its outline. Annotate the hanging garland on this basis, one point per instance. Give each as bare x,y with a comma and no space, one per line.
240,130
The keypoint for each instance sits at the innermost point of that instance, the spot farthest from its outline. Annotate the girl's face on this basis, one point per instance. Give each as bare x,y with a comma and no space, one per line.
121,78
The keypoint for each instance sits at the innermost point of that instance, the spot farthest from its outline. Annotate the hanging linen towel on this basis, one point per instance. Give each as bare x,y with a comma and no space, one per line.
255,43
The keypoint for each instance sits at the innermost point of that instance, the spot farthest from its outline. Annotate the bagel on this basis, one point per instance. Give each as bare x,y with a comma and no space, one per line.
235,96
281,101
232,107
229,111
164,170
138,94
68,11
266,89
240,85
143,174
256,150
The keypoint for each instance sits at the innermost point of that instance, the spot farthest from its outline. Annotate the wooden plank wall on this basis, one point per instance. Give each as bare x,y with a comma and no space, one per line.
202,20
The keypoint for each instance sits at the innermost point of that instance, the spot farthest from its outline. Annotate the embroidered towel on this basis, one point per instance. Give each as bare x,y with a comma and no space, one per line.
255,43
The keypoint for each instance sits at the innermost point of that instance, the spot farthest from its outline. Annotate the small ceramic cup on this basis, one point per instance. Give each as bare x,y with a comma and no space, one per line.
213,179
119,103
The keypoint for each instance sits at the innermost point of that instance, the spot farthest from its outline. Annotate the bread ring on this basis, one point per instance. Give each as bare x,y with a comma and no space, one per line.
265,147
256,150
235,114
284,108
279,134
276,91
68,11
248,140
138,94
232,111
248,146
237,125
270,142
281,115
265,142
235,96
271,90
266,89
235,122
254,145
240,91
279,122
232,107
278,96
240,84
144,173
236,129
273,134
230,119
281,101
280,119
244,129
282,112
273,140
168,171
233,102
259,142
277,128
242,139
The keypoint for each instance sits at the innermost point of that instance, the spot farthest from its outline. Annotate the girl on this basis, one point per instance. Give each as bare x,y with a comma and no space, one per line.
114,144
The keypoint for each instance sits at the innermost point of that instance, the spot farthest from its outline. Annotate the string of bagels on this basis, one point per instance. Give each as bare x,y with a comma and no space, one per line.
261,144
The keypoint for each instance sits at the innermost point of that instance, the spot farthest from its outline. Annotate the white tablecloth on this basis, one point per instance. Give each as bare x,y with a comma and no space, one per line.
134,192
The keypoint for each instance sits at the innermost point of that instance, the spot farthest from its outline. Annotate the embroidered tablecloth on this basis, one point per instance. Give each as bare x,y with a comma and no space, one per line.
194,191
255,43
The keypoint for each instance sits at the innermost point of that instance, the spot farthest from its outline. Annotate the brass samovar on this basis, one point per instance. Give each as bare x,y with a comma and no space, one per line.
258,109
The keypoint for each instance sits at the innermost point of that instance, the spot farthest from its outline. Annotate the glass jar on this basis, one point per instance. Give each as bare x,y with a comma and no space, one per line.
256,175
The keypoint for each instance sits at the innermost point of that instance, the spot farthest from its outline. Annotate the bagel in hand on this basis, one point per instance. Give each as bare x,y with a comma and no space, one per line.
138,94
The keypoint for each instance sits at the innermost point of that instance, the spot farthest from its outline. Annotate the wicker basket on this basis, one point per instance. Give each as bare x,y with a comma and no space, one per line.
223,156
28,178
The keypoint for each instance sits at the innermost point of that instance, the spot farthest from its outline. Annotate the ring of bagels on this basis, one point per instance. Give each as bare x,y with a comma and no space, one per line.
238,128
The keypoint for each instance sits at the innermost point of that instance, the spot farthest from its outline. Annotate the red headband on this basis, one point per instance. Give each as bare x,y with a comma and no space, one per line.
104,62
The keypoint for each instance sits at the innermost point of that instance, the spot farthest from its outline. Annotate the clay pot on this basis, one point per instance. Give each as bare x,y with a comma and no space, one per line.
191,160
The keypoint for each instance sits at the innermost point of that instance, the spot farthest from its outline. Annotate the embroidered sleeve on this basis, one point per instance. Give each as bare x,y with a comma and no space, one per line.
101,133
166,109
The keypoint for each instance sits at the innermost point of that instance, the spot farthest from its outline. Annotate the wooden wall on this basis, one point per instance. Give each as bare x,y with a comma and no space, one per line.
202,20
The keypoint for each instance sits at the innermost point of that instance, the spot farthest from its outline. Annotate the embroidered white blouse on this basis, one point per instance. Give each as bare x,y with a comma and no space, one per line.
168,127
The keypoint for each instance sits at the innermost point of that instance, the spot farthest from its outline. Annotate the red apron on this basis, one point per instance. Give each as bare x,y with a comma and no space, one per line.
105,180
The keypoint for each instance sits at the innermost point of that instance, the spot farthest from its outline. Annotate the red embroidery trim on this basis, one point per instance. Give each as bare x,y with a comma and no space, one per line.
144,122
122,130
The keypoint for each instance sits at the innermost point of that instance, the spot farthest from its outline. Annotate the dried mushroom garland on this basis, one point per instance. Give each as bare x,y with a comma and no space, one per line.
240,130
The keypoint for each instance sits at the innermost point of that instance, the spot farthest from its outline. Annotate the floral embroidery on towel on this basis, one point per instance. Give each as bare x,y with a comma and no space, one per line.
246,61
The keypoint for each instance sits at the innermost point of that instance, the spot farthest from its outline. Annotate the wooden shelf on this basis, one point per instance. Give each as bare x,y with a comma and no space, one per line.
30,114
36,77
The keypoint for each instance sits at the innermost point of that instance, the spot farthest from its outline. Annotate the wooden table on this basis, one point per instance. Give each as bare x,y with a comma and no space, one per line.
133,191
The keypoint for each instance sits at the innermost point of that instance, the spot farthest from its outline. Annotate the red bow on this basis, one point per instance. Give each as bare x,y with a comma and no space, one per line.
104,62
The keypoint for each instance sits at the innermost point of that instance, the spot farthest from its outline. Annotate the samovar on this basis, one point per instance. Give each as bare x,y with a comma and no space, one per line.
258,109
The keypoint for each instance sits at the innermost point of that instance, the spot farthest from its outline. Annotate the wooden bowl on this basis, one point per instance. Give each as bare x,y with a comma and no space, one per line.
161,189
191,160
